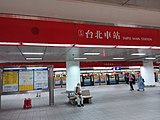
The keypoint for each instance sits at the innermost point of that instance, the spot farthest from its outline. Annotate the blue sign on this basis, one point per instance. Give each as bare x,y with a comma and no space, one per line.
117,68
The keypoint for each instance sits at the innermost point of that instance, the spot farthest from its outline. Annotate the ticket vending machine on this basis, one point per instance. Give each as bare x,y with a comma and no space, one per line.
87,79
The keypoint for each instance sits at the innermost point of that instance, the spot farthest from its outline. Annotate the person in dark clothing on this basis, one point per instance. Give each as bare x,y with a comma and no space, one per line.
131,78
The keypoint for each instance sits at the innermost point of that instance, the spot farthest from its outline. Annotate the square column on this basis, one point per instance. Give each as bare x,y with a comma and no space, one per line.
147,73
73,75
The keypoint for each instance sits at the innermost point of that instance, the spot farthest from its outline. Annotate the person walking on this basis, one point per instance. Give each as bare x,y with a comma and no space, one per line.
131,78
140,82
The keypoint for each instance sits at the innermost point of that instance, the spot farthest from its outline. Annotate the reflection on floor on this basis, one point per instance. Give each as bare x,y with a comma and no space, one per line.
114,102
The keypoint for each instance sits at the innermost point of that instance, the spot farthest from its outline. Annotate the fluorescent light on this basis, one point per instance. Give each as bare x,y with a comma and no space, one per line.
96,46
13,68
155,47
9,43
52,45
33,58
142,47
150,58
138,54
80,58
99,68
134,67
118,58
125,25
59,69
91,53
36,67
28,53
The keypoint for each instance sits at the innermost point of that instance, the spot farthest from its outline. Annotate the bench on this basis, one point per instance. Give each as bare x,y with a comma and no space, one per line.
86,97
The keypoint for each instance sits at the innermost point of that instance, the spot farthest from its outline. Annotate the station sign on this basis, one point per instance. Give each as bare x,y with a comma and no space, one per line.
115,35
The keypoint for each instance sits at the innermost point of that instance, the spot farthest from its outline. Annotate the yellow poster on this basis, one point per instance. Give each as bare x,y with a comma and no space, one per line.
10,81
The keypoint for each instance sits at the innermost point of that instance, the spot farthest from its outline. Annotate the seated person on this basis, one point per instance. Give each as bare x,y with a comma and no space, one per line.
78,94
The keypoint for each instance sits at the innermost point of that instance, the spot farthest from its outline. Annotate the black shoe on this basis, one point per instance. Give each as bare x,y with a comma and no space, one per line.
82,105
138,90
143,89
78,105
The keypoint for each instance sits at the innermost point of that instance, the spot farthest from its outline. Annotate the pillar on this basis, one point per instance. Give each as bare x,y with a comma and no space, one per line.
51,85
73,75
147,72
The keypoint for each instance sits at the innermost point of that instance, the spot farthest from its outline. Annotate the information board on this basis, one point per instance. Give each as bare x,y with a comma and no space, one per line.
25,80
40,79
10,81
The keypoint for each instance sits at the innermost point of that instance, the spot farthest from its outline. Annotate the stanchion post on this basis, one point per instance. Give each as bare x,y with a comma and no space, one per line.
51,85
1,72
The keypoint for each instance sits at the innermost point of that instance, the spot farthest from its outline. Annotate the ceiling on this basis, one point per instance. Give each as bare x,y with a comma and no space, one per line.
135,12
113,12
10,54
143,4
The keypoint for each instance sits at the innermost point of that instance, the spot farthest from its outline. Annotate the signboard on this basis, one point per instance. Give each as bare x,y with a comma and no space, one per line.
25,80
40,79
36,31
10,81
113,35
117,68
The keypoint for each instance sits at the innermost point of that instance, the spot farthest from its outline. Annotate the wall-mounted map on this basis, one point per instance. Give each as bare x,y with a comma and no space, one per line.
25,80
40,79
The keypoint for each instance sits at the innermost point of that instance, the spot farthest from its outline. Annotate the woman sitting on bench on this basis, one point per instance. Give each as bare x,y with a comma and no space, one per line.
78,94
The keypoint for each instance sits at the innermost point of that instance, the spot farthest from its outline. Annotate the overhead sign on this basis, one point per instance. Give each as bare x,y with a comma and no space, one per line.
113,35
40,79
10,81
36,31
117,68
60,32
25,80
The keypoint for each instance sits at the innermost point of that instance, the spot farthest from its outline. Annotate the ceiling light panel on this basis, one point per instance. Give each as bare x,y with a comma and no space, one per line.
29,53
80,58
118,58
91,53
149,58
33,58
138,54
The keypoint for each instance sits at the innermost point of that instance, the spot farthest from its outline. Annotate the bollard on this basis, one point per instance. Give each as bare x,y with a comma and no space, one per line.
29,103
25,103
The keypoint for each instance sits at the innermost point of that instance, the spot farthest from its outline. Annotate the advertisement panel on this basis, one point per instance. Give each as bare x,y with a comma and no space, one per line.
10,81
25,80
40,79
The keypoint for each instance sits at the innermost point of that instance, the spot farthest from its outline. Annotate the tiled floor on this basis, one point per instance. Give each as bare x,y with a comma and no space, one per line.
114,102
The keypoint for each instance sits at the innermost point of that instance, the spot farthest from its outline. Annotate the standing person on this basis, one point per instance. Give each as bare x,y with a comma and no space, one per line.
140,82
78,94
131,78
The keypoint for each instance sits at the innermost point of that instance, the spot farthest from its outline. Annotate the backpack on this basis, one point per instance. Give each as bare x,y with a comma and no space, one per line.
143,80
